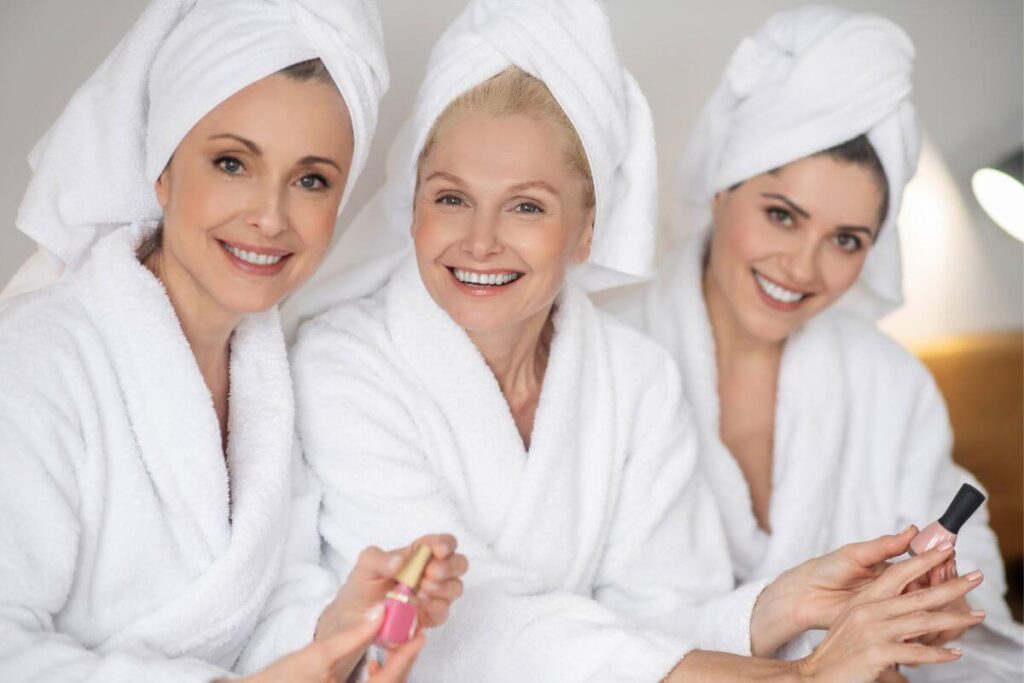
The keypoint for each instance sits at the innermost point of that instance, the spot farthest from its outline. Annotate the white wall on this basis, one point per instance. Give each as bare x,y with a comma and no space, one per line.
964,273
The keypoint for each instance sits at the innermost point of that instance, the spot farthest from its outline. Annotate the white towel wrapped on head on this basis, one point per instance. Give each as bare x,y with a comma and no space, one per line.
568,45
94,169
809,79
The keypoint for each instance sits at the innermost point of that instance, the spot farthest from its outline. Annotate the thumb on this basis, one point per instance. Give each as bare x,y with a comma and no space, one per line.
867,554
355,638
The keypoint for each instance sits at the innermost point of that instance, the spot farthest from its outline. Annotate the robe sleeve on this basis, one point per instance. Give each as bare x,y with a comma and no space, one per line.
39,538
928,481
289,619
363,439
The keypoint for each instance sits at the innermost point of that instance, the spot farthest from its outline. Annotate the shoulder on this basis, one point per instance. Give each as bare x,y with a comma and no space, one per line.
357,324
634,354
870,352
44,336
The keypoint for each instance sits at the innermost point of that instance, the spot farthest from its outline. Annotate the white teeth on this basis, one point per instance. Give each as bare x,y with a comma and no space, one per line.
488,279
252,257
777,292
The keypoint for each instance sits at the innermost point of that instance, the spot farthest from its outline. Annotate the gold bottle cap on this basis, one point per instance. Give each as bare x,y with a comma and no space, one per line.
412,570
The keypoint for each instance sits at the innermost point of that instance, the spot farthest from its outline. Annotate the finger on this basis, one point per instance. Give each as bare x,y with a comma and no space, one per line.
374,564
441,545
450,567
400,660
353,639
445,590
913,654
929,598
898,576
917,624
891,676
434,612
878,550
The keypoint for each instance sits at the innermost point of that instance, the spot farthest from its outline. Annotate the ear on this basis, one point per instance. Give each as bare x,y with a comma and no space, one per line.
582,252
162,186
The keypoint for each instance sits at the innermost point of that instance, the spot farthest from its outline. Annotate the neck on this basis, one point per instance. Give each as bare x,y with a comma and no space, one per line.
206,324
518,355
733,343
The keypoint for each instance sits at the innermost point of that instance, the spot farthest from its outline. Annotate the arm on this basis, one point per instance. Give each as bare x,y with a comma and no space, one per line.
39,537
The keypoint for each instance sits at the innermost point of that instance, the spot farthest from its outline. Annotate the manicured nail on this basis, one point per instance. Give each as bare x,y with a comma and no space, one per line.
974,576
944,546
909,527
956,651
394,562
942,575
978,613
374,612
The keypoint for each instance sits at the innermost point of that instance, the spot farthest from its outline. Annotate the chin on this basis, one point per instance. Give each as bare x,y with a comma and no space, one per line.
249,302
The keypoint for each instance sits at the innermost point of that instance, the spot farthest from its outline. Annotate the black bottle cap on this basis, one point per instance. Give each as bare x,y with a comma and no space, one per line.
965,502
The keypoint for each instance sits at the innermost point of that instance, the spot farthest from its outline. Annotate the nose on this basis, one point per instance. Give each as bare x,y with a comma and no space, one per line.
801,264
268,212
482,242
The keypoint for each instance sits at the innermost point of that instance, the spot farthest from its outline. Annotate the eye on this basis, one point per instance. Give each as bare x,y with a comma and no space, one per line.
229,165
528,208
449,200
313,182
779,215
848,242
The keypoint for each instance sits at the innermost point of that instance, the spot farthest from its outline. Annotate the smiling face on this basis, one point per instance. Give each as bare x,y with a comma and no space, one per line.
788,243
251,195
499,216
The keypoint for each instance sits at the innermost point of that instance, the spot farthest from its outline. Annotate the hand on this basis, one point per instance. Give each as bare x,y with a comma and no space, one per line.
812,595
333,659
870,636
373,576
944,572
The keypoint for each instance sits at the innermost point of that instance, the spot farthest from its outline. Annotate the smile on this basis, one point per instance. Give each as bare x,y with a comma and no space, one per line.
470,277
253,257
777,292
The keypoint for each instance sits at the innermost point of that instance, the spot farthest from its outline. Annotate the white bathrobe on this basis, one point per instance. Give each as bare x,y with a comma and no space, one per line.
589,554
862,448
129,550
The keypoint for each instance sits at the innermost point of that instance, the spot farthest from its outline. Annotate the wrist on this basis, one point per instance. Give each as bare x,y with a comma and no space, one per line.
774,621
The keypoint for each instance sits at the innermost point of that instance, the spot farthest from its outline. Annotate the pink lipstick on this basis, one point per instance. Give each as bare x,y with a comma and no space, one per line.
965,502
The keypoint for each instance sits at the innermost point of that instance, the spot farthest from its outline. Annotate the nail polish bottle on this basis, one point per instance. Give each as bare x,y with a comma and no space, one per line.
965,502
400,603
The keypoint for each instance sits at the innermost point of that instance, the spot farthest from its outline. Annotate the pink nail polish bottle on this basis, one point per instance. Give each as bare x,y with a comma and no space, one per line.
965,502
400,603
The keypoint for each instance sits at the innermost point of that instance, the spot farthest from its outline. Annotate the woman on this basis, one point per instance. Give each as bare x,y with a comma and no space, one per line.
816,429
481,391
155,521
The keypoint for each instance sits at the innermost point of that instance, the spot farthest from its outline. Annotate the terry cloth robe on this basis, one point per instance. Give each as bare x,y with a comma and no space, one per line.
861,448
590,554
129,550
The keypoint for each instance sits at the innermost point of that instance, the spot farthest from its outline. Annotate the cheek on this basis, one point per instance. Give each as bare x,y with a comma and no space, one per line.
197,203
840,271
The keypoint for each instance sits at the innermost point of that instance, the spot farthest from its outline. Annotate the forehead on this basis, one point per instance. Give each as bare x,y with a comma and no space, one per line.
830,190
515,147
282,111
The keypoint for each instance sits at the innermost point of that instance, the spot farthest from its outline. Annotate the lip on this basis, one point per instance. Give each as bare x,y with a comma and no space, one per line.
483,291
269,270
773,303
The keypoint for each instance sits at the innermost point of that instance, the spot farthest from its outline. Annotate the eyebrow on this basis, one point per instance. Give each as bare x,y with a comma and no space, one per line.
793,205
518,187
253,147
308,160
787,201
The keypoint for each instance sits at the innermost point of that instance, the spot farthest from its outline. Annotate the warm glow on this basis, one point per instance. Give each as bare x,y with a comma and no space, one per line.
1002,197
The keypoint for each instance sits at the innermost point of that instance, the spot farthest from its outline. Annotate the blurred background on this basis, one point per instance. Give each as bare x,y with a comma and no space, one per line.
964,275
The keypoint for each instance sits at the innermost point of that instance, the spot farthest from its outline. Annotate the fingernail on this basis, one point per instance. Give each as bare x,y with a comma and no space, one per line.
394,562
956,651
977,613
974,576
374,612
944,546
909,527
942,574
